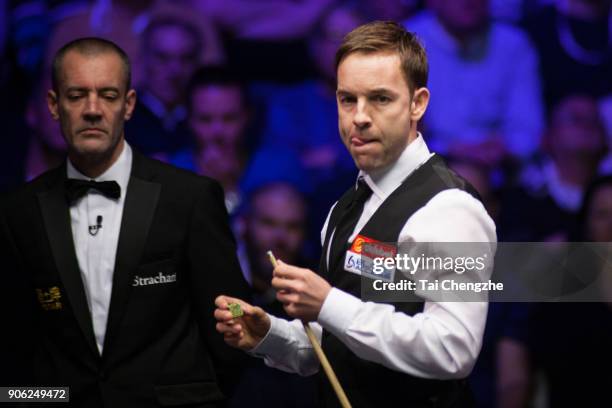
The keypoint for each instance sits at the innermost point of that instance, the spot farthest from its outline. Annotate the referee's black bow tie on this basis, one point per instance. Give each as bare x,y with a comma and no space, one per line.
76,188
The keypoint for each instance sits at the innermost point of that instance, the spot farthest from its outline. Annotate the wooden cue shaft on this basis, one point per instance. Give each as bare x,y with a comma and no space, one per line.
327,367
329,371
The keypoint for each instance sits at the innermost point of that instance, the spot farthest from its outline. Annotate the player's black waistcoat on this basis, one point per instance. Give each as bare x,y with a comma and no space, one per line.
369,384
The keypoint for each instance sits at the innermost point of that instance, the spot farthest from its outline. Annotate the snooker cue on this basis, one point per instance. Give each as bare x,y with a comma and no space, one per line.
329,371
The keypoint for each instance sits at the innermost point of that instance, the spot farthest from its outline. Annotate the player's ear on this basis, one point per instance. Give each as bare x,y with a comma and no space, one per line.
418,106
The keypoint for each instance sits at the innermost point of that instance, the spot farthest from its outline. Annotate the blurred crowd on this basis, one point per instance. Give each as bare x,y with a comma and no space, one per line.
244,91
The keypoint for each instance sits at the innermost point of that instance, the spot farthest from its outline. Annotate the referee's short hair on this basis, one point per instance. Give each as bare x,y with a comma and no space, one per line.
89,46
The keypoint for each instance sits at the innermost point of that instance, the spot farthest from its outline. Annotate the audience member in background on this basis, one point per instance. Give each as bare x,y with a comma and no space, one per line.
304,117
27,27
574,40
570,342
596,215
389,10
142,12
46,147
486,77
124,23
480,178
170,53
218,117
279,20
545,205
274,217
596,221
104,19
501,376
270,37
498,378
272,166
510,11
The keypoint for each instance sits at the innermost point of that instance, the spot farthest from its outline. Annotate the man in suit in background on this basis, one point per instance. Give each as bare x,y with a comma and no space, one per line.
170,50
112,261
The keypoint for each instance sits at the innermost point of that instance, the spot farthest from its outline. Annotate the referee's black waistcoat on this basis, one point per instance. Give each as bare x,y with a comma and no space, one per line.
368,384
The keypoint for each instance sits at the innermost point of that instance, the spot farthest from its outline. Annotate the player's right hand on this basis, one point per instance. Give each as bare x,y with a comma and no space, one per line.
243,332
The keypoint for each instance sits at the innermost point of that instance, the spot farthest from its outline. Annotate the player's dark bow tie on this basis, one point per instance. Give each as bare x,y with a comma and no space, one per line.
76,188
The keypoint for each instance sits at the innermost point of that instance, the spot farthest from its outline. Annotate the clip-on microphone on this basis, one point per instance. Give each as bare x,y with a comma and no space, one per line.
93,229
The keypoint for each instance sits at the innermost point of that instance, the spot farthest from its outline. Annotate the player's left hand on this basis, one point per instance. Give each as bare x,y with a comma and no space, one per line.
301,291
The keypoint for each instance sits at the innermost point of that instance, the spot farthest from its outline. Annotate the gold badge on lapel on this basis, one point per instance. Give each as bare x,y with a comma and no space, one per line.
49,299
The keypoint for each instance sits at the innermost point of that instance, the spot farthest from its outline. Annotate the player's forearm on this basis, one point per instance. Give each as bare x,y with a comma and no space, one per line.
443,342
286,347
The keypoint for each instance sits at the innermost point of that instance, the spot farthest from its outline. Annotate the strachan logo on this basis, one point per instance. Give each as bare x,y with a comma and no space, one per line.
160,278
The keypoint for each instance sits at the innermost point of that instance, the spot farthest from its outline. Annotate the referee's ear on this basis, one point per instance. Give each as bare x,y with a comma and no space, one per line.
52,104
130,104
